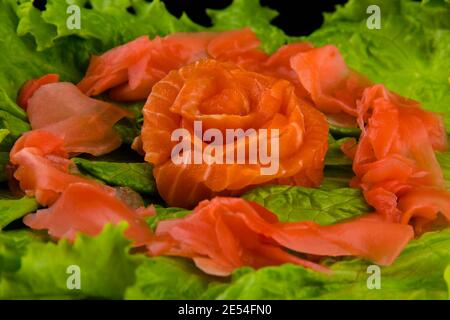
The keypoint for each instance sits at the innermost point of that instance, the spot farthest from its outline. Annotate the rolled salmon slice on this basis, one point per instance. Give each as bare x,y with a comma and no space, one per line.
271,119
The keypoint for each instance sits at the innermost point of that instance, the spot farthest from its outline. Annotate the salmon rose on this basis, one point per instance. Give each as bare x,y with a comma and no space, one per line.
213,128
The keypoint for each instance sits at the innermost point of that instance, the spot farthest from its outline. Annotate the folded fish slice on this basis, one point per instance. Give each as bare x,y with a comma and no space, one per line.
242,233
87,208
111,68
83,123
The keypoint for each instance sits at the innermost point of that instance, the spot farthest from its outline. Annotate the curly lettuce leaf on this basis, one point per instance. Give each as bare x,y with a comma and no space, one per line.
105,264
13,245
68,57
325,207
107,23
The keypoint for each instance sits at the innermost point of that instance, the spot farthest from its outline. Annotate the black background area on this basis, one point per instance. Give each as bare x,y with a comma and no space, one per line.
296,17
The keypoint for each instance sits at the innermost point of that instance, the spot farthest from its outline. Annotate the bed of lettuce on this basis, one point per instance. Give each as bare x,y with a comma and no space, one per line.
410,54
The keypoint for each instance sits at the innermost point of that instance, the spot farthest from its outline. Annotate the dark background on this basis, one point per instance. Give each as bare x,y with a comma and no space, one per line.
296,17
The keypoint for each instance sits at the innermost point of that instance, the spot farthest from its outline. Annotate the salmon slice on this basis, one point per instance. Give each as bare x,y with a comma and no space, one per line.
87,208
333,87
278,65
83,123
166,54
131,70
43,176
224,234
395,160
240,47
46,142
349,148
223,96
111,68
30,87
425,203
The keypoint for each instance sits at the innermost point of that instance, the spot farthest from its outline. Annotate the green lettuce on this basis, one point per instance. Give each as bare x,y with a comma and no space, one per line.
169,278
3,134
64,58
105,25
165,214
447,278
137,176
106,268
444,161
4,156
13,245
325,207
336,177
129,128
13,209
9,105
340,132
15,127
335,156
